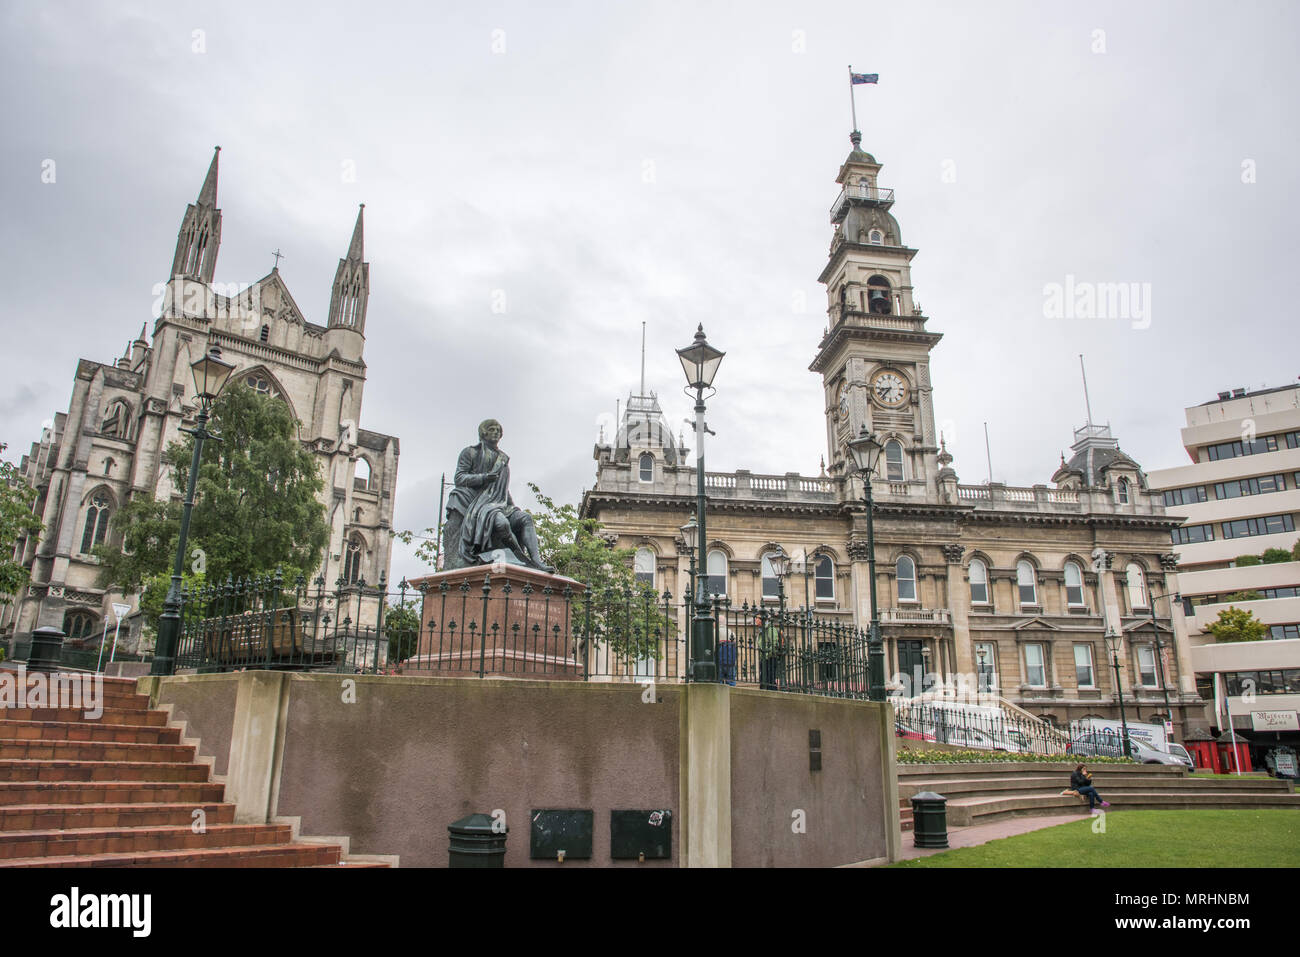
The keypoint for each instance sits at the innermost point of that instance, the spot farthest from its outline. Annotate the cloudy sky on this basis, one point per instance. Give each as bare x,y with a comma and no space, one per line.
593,166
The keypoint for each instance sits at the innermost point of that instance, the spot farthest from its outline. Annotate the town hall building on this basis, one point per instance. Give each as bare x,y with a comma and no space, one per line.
1019,586
107,447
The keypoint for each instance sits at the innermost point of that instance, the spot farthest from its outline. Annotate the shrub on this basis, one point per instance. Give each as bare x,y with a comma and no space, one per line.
907,755
1242,561
1273,556
1236,624
1242,596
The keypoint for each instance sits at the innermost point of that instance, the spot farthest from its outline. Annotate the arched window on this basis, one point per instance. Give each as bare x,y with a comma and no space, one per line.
1137,586
108,466
261,384
1073,585
716,582
361,477
117,422
876,237
96,529
352,561
1123,491
825,578
643,566
1027,582
79,624
906,572
979,582
894,461
771,588
646,467
879,301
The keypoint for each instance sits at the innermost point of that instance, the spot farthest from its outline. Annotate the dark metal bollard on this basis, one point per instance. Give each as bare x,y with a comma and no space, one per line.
477,841
929,820
46,652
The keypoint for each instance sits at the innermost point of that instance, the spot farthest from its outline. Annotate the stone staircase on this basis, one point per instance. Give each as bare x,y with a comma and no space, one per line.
983,793
123,791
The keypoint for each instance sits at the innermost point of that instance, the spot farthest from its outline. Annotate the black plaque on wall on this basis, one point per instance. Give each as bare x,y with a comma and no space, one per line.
633,833
553,831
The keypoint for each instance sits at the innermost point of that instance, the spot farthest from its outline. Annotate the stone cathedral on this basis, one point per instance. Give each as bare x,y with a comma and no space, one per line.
106,448
1014,587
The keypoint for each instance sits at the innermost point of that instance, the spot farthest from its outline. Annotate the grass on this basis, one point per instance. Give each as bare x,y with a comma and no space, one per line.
1266,837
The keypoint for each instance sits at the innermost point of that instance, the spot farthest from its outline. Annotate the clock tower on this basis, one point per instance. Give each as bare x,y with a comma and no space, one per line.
875,356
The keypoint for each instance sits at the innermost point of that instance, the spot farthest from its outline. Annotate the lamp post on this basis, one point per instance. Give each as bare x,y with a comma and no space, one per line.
982,653
865,449
690,532
780,564
211,373
1113,639
1159,645
700,362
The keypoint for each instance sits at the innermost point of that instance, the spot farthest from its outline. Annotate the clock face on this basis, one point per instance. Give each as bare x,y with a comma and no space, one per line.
889,389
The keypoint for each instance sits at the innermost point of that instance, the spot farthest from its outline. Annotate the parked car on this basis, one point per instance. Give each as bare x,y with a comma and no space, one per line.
1145,754
1178,751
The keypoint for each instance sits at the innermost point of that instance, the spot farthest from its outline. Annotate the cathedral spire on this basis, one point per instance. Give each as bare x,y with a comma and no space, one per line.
352,282
200,233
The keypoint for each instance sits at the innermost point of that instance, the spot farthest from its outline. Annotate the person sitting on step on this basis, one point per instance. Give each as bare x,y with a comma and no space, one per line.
1081,781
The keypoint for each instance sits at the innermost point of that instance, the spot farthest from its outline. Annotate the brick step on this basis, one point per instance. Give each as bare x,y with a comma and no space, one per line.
155,719
147,791
48,817
126,840
264,855
111,694
35,770
94,751
87,731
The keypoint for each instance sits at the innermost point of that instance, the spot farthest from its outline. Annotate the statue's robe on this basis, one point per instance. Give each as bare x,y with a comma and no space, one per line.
479,506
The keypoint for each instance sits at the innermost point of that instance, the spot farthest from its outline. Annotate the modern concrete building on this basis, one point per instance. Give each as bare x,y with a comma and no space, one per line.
1241,498
1018,585
107,447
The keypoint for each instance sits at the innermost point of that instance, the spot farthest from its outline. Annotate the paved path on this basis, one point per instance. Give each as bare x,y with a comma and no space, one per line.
983,833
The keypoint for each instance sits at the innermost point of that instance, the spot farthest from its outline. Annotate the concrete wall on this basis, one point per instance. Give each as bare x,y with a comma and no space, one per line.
785,815
390,761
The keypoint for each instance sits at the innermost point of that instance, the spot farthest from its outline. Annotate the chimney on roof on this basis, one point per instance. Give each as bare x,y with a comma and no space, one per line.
1238,393
1224,395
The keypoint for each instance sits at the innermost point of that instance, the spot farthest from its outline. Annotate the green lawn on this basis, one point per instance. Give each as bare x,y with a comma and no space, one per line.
1267,837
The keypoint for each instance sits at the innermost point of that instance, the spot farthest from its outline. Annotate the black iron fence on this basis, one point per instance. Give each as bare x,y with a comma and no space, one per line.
988,727
488,626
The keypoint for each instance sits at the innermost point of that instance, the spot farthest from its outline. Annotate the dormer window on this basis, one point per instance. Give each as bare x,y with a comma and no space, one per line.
1122,491
876,237
646,467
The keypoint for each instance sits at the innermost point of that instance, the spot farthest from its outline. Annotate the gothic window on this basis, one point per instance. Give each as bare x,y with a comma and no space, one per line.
361,476
117,421
894,461
643,566
1123,491
825,578
1137,586
96,528
879,301
906,571
646,467
262,385
979,582
1027,583
79,624
352,561
716,582
1073,585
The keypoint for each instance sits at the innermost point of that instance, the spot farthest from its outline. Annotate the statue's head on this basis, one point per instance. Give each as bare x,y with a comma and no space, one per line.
490,429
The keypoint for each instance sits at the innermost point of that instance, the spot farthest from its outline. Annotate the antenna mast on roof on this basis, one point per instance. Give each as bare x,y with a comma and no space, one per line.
987,454
643,358
1087,403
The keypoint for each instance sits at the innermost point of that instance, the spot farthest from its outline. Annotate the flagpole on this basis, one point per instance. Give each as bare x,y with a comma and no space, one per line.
853,105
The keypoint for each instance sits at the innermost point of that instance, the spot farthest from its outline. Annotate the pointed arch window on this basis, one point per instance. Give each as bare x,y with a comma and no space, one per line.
117,422
979,582
361,477
894,461
96,527
1073,585
352,561
1027,583
79,624
905,570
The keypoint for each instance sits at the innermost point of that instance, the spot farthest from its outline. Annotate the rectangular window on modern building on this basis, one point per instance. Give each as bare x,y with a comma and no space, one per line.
1190,534
1083,666
1284,631
1035,673
1232,450
1266,525
1185,496
1250,486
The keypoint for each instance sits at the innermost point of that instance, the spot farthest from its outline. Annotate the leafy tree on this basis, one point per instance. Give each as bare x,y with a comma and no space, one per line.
402,626
1236,624
627,616
1243,596
1243,561
1295,551
1272,556
255,506
16,521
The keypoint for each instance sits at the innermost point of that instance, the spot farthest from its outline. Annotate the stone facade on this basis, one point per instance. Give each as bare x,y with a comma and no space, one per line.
107,447
1032,578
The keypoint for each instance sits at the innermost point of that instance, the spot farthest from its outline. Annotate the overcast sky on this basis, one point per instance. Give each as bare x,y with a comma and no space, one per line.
596,165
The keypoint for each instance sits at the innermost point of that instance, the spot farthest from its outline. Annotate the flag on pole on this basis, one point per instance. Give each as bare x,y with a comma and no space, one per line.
856,78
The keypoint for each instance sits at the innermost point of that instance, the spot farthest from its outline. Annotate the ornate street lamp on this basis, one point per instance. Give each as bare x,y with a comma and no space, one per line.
690,535
700,362
1159,643
865,449
211,373
1113,640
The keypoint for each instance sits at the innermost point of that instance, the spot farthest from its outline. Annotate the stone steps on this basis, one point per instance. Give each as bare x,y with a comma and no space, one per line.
984,810
36,817
109,792
131,753
268,855
65,731
37,770
133,839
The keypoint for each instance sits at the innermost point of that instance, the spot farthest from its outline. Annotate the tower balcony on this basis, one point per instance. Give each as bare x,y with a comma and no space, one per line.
860,196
